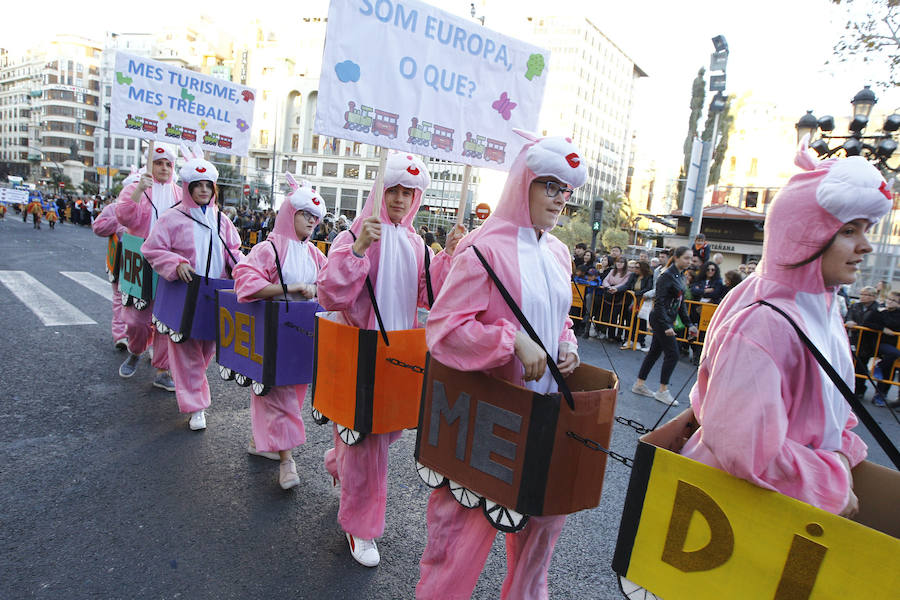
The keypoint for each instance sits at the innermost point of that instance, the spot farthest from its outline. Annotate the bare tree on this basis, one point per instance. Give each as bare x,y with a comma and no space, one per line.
872,34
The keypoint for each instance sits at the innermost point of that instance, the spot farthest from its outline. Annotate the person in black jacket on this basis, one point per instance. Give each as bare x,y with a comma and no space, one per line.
708,284
667,306
864,313
888,321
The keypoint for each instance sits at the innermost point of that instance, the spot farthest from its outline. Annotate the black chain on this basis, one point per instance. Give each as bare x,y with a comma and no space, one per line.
299,329
641,429
400,363
597,447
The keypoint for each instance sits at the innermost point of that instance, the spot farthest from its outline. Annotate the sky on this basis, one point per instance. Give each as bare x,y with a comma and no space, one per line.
778,48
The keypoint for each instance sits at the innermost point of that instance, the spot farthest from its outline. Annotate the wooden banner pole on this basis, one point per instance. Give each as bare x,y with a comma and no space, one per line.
463,195
379,182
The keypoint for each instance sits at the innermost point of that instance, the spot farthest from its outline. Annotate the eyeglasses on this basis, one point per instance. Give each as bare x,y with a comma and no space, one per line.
554,189
308,215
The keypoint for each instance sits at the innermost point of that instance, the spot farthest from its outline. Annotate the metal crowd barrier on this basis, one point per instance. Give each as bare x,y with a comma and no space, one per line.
870,360
619,318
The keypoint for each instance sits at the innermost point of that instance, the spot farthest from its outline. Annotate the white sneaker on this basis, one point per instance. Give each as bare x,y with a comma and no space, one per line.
645,348
287,474
198,421
251,449
666,398
365,552
641,389
593,331
121,343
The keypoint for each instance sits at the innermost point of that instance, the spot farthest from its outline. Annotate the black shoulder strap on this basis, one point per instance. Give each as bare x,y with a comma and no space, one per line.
854,402
374,302
551,361
280,276
428,287
156,212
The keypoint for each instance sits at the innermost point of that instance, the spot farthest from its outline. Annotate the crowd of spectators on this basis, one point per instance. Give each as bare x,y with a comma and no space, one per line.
608,275
877,312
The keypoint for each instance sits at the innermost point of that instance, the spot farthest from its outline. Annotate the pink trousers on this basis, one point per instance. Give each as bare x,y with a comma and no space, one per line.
362,471
119,329
459,540
188,362
276,418
140,333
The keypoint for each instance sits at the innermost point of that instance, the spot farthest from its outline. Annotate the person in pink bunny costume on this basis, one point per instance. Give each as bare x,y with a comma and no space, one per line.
391,253
106,225
768,413
471,328
193,239
138,207
276,419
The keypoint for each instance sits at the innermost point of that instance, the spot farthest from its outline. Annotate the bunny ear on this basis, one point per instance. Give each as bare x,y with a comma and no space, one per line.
185,151
804,158
198,150
531,137
306,183
291,181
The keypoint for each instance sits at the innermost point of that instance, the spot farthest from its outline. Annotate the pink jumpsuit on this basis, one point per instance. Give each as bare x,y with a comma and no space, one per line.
276,417
171,243
362,468
136,217
471,328
106,225
768,412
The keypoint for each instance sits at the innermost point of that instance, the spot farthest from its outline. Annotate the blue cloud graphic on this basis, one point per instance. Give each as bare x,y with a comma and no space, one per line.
347,71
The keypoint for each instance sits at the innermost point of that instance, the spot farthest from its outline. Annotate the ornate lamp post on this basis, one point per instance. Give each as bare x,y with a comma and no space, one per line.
876,148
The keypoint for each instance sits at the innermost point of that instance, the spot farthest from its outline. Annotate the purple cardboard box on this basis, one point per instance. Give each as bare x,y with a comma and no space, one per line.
189,308
269,341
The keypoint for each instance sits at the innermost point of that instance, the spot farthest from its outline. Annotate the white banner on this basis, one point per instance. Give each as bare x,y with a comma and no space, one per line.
408,76
11,196
156,101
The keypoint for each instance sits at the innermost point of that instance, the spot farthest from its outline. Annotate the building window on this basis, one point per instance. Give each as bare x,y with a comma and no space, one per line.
289,165
131,143
309,167
329,169
351,171
371,171
263,137
295,142
329,195
262,164
119,143
315,144
348,199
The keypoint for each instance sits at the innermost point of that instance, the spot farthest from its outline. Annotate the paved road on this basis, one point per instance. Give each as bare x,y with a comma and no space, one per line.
105,493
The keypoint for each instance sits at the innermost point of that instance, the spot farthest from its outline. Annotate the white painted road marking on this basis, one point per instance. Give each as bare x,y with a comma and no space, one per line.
91,282
50,308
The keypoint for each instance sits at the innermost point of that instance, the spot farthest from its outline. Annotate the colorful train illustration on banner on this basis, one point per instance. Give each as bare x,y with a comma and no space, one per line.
178,132
367,119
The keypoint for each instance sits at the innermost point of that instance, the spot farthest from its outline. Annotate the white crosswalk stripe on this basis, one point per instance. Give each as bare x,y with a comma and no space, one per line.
91,282
49,307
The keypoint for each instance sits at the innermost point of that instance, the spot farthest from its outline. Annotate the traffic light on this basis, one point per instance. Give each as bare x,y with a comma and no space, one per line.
597,215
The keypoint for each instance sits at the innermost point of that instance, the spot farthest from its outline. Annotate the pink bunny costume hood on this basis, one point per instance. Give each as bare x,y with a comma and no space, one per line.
195,168
341,283
139,217
768,412
259,269
508,241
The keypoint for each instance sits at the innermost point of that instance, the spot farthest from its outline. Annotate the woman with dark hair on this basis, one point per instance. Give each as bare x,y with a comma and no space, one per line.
667,307
641,283
707,286
767,410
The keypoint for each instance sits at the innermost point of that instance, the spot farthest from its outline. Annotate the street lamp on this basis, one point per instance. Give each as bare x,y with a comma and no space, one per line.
876,148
